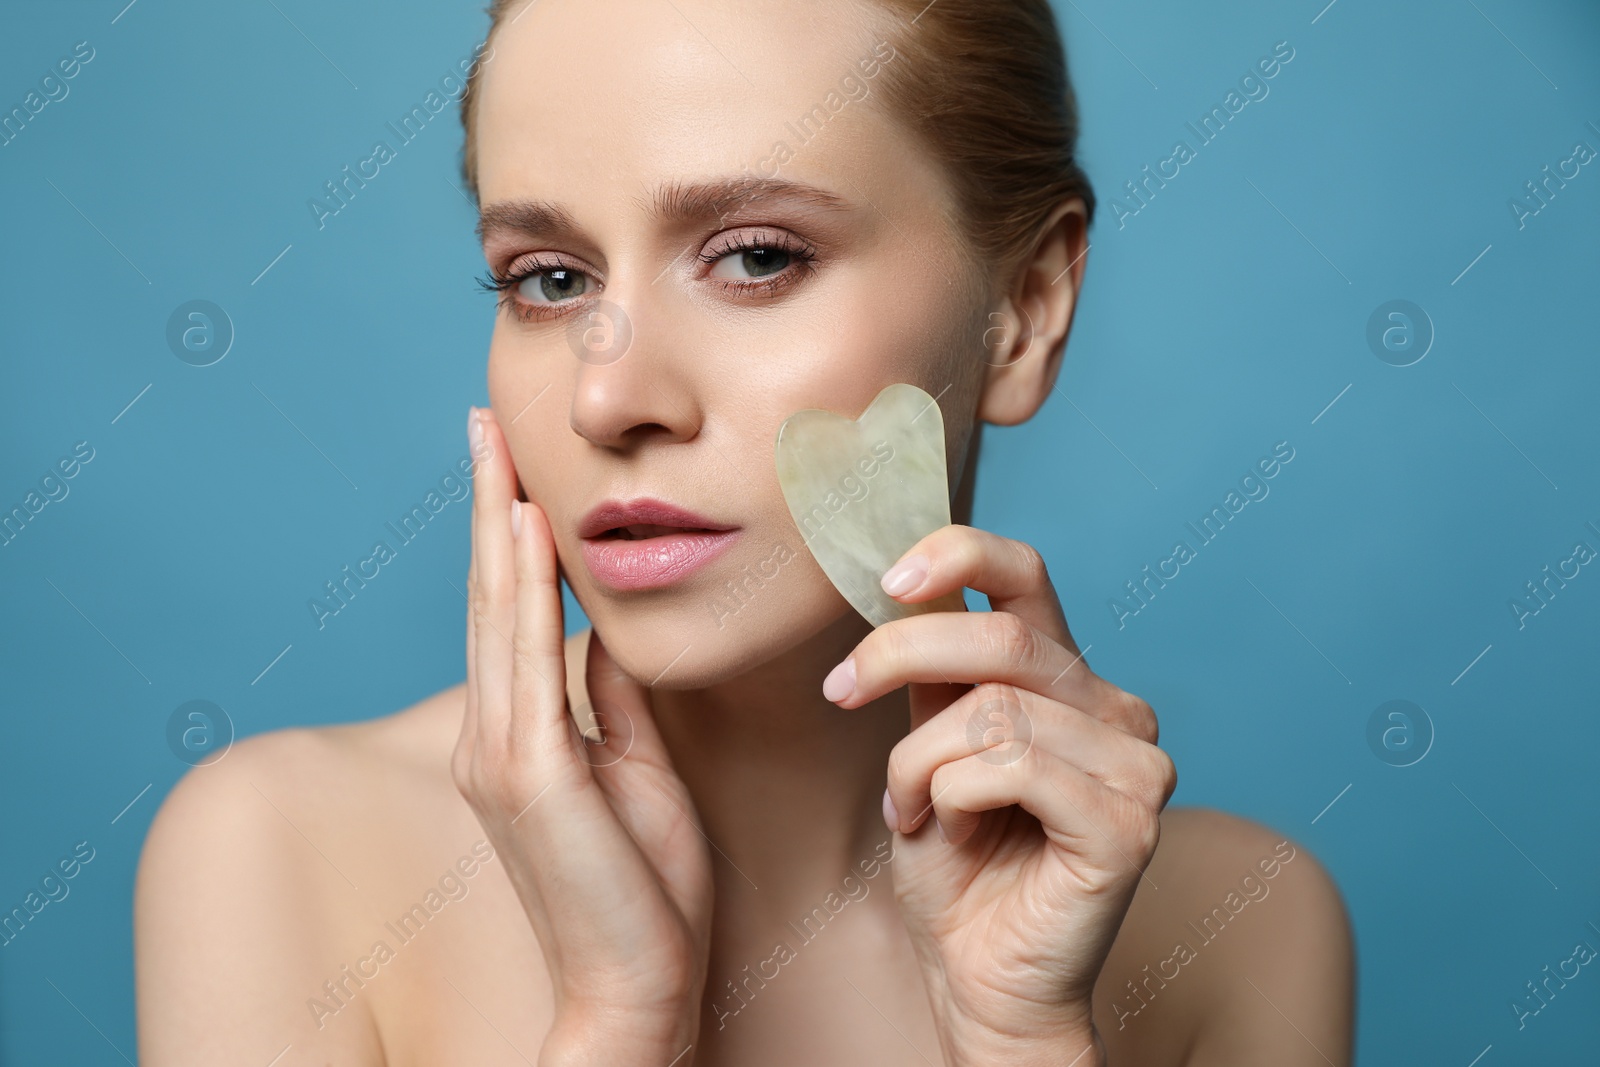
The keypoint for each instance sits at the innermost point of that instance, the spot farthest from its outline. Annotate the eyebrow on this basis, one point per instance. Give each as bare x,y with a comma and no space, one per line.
675,201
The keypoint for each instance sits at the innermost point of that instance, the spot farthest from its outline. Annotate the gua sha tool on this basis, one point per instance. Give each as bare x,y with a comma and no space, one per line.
864,491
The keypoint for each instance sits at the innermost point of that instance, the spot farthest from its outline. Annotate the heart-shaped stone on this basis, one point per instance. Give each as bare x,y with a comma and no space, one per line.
863,492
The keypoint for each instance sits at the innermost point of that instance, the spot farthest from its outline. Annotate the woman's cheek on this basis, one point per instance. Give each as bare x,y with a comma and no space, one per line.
531,418
545,478
508,376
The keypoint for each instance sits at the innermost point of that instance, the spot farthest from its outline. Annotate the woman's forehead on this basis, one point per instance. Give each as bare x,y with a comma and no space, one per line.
675,88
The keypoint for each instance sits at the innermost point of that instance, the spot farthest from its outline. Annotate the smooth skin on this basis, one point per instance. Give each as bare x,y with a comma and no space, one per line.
472,881
1012,914
244,909
607,861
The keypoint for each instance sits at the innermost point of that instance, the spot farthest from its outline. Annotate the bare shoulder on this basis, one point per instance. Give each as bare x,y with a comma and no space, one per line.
267,878
252,868
1237,949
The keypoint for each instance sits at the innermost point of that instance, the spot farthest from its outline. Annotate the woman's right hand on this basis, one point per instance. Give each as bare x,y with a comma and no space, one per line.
605,852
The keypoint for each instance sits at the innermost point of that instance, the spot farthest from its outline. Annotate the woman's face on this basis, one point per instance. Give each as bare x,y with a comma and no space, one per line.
719,227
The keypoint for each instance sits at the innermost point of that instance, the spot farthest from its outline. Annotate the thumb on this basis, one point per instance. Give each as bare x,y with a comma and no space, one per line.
620,718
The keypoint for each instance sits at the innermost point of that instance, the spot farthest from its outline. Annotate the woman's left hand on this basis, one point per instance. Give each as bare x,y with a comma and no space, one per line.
1046,787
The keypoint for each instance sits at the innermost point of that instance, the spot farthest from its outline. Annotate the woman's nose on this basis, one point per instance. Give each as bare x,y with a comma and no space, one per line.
631,384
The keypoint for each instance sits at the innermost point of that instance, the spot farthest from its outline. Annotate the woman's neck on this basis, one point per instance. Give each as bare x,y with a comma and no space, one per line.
788,786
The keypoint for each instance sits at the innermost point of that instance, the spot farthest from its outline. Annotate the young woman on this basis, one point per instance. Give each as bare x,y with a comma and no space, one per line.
734,823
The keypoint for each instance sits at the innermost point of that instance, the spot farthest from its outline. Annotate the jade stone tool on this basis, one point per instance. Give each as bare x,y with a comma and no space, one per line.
863,491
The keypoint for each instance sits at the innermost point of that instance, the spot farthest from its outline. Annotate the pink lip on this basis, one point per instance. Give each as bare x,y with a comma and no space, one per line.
650,562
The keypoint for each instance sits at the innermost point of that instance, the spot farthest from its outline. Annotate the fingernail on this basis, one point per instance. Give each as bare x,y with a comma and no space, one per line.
841,681
516,518
891,816
939,826
474,429
906,575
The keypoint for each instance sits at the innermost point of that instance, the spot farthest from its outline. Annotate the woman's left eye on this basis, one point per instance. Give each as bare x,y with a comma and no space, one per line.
758,262
754,262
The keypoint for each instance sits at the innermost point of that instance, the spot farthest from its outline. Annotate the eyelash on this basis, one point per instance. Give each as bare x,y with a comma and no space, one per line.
802,255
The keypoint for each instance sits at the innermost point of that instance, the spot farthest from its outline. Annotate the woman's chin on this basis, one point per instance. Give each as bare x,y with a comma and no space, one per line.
681,647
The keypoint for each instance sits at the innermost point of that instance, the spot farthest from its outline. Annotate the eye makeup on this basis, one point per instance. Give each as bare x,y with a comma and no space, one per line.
535,287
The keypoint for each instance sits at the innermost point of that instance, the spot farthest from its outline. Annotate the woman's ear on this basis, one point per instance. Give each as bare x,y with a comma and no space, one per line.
1028,330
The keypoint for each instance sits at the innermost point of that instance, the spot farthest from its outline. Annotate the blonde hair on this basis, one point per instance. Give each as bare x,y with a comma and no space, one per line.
983,85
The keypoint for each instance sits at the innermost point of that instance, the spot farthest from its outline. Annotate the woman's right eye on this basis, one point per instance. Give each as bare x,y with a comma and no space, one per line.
533,289
552,286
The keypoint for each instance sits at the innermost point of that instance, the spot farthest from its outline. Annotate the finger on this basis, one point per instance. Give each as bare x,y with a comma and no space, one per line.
1079,813
539,667
461,758
633,766
494,590
1000,724
1011,573
621,706
584,717
983,646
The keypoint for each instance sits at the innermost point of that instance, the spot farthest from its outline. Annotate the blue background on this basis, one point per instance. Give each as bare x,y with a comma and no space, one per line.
1221,319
